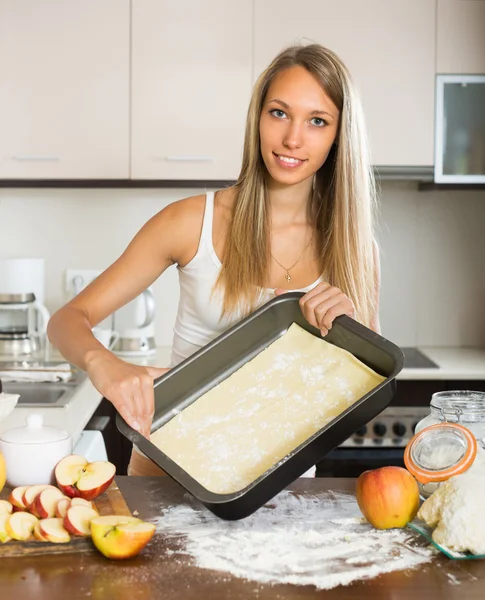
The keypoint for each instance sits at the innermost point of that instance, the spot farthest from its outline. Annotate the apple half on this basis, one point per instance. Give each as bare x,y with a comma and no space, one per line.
119,537
77,477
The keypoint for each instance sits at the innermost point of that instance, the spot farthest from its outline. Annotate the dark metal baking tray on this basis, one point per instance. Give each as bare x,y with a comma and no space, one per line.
193,377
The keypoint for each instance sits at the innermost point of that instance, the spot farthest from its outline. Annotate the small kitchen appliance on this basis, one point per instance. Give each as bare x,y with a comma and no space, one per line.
23,316
134,324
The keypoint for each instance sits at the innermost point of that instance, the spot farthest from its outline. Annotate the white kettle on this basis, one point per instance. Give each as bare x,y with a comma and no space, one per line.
134,323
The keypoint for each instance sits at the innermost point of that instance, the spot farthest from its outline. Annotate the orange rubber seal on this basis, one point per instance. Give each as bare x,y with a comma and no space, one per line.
426,476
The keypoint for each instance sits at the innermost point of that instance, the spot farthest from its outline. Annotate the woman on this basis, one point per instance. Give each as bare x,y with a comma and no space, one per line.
300,217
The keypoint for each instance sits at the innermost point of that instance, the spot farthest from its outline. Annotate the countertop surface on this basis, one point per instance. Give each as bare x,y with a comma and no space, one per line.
454,364
166,570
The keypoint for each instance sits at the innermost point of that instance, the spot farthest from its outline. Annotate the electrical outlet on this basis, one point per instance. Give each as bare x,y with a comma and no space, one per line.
78,279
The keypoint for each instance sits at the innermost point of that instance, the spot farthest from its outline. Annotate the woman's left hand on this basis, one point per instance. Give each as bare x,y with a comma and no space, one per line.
323,304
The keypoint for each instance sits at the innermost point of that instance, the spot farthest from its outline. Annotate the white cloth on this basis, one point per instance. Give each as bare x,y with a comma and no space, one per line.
60,372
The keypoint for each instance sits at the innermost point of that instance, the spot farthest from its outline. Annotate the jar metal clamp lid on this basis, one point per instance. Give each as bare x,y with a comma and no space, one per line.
439,452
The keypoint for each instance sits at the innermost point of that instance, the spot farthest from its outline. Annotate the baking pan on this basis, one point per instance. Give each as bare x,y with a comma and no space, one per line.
213,363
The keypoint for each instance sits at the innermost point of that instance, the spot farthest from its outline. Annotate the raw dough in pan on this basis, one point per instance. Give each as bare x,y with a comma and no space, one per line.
239,429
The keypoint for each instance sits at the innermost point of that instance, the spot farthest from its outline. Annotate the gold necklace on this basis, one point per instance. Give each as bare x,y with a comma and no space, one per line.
288,276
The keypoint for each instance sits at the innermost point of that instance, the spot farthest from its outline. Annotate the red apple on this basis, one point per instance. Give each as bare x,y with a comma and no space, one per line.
76,476
45,504
78,518
82,502
388,497
53,530
119,537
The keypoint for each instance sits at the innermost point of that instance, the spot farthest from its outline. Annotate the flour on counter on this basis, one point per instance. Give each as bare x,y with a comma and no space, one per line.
320,540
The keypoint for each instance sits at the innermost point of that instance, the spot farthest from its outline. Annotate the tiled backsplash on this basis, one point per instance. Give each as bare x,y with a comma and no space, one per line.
432,251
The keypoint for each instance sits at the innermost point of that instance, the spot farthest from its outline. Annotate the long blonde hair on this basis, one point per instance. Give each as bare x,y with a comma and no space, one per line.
341,205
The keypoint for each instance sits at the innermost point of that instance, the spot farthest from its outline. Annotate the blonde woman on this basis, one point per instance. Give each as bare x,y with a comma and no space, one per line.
300,217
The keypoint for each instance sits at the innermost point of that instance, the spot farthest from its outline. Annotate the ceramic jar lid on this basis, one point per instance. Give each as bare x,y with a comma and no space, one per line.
34,432
439,452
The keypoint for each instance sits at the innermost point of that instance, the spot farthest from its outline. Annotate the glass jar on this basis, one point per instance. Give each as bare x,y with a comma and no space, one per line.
465,407
445,441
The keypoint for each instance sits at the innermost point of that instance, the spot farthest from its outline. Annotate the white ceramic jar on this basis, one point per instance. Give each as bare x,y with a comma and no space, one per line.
32,452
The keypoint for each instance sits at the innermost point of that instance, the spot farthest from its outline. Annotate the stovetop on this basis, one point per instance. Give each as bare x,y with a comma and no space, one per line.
415,359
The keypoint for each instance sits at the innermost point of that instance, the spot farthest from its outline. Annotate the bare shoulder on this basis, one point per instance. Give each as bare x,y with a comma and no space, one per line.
177,228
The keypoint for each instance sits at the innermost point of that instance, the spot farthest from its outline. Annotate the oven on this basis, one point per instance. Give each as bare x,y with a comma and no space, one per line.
382,441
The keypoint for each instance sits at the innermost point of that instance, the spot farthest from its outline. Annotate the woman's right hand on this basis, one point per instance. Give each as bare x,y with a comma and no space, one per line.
129,387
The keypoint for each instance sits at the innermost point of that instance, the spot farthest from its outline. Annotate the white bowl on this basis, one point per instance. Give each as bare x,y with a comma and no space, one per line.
7,404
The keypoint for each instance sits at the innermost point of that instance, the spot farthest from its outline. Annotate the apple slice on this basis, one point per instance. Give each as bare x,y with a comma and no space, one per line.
77,520
20,525
45,503
76,477
38,533
4,537
17,497
6,507
31,492
62,505
82,502
120,537
54,531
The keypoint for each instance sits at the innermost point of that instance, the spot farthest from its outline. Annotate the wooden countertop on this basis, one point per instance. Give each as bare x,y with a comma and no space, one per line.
157,574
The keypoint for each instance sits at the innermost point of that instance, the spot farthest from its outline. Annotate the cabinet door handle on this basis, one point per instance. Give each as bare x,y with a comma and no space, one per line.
186,158
35,158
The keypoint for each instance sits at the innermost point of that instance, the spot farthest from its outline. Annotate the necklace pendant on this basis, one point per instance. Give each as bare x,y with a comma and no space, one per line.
288,276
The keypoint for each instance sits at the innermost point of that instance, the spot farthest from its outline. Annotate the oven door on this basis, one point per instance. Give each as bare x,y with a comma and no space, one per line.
351,462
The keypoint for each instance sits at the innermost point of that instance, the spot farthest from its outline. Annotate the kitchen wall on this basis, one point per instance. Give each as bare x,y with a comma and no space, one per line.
432,252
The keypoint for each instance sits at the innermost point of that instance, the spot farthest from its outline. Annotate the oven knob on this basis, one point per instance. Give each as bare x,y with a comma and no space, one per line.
380,429
399,429
361,431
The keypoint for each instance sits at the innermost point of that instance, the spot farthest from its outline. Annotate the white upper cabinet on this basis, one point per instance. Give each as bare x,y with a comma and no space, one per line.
191,85
389,48
461,37
64,89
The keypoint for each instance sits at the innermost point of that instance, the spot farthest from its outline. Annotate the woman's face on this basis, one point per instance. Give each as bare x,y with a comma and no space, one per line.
297,127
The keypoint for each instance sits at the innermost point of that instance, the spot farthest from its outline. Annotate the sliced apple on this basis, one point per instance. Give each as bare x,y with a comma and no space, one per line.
120,537
38,533
78,518
45,503
17,497
31,492
6,507
76,477
4,537
62,505
82,502
54,531
20,525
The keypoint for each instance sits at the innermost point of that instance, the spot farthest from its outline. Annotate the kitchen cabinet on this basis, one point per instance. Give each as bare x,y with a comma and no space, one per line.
191,84
461,37
64,89
389,48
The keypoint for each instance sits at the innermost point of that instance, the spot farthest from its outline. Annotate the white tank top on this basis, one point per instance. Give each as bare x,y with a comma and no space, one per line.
198,319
